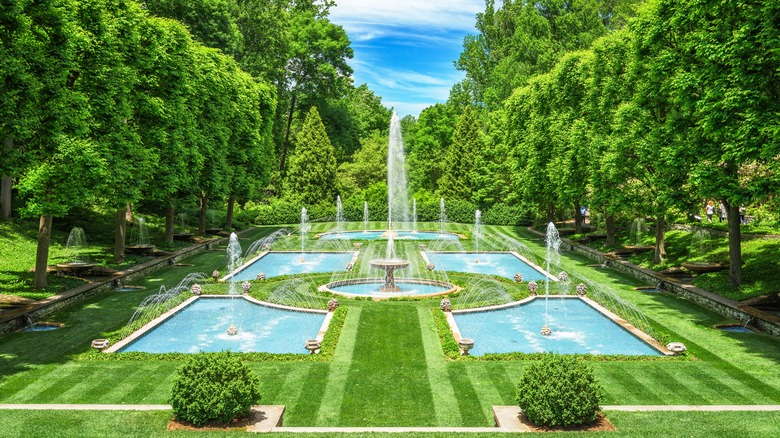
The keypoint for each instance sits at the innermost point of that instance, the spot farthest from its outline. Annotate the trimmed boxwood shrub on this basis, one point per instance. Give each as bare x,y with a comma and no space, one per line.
559,391
214,387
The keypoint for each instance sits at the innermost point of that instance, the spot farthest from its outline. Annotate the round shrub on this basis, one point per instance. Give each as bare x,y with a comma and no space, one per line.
559,391
214,387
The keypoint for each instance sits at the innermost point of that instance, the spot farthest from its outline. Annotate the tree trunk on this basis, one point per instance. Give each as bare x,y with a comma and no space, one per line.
119,237
42,255
287,135
609,224
660,235
735,245
202,215
5,186
5,197
229,217
577,218
169,223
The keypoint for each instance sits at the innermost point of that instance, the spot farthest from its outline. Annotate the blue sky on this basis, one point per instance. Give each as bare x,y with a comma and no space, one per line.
404,49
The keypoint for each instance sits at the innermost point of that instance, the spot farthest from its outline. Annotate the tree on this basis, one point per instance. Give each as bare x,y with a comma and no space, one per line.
457,181
428,145
368,166
312,174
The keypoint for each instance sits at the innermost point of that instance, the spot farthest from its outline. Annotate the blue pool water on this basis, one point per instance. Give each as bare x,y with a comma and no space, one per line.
735,329
406,289
275,264
502,264
202,326
41,328
400,235
576,328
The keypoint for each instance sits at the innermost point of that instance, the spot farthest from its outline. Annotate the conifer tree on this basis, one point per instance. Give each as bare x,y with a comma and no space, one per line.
312,172
457,179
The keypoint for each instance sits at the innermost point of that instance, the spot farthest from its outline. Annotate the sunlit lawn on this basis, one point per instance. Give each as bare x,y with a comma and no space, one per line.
389,368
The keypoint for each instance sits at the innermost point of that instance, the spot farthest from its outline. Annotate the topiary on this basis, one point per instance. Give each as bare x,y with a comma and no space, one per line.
214,387
559,391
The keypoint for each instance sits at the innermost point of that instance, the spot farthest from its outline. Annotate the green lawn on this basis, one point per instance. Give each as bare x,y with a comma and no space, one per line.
389,368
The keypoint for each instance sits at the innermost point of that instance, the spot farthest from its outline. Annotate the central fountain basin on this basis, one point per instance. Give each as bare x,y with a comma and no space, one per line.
371,287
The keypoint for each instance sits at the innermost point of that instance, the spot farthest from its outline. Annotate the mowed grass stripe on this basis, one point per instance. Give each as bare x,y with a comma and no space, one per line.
444,399
467,397
338,374
290,388
483,385
45,384
388,385
304,411
623,386
504,382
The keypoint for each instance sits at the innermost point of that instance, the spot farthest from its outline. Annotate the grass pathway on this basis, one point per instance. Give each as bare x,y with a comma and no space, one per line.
445,403
338,377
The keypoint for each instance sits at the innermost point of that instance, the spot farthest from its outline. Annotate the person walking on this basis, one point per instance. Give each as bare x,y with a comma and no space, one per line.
722,210
710,211
742,212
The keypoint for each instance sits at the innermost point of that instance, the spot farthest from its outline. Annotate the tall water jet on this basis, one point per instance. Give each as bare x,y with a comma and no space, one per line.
397,193
233,261
442,215
304,230
365,216
553,242
638,231
414,215
78,260
339,214
139,237
477,233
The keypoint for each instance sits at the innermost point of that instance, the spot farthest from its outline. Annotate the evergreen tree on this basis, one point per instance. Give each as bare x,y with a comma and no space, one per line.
312,173
458,178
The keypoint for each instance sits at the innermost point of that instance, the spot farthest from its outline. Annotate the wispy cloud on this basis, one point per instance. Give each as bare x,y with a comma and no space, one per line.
404,49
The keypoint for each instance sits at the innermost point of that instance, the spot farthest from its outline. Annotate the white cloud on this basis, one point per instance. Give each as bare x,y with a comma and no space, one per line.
430,14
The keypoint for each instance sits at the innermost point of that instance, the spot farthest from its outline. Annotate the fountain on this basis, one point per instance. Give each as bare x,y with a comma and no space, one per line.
304,230
233,261
182,219
339,214
75,247
211,219
389,264
397,194
703,245
636,235
365,216
477,233
140,237
414,215
553,242
442,215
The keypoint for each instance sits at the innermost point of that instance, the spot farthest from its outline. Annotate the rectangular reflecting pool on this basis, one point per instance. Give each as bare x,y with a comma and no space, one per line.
202,326
577,328
274,264
504,264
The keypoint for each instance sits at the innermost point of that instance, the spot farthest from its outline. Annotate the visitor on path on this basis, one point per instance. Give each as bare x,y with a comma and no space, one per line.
742,212
710,211
722,209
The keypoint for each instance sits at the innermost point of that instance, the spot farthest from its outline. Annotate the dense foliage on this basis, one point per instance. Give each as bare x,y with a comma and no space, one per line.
559,390
214,387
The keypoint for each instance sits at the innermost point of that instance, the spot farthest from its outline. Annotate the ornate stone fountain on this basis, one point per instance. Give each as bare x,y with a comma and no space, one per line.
389,266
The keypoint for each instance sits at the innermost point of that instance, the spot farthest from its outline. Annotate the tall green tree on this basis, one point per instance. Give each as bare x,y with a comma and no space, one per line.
312,175
428,146
458,178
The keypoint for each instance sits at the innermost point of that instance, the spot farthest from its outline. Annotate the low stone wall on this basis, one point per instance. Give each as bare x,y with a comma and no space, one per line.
19,318
765,321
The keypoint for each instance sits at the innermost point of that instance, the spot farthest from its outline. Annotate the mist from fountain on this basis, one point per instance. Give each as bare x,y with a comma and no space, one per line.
304,228
265,242
339,215
477,233
442,215
397,192
233,261
414,215
140,233
638,231
75,246
365,216
553,243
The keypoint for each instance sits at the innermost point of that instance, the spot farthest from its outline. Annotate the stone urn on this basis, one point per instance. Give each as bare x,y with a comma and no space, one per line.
676,347
100,344
430,266
333,304
465,345
445,305
313,345
246,286
215,275
349,266
196,289
518,277
232,330
260,276
563,276
582,289
532,288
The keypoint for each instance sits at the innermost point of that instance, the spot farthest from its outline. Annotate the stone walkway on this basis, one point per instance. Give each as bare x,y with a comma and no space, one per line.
506,417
